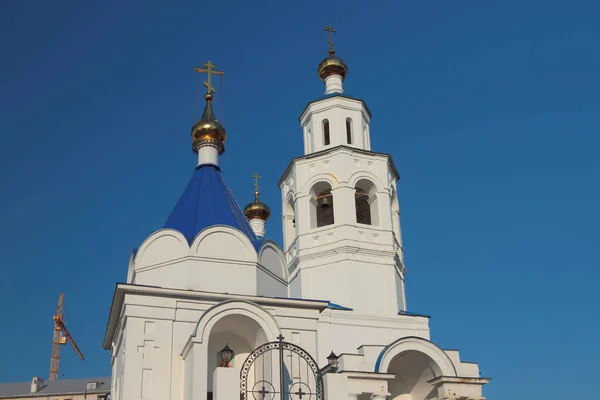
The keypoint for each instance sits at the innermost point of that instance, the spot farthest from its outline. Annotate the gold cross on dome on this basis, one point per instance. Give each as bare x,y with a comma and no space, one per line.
256,178
208,68
330,30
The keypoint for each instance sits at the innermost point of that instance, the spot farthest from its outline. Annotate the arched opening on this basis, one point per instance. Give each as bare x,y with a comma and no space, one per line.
349,130
366,203
363,208
321,204
289,222
396,216
326,137
242,334
413,370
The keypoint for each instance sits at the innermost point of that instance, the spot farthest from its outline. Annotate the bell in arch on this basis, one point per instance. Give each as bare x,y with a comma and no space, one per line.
324,200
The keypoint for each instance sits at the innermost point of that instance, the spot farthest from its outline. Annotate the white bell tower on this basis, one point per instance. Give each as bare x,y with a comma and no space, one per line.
341,224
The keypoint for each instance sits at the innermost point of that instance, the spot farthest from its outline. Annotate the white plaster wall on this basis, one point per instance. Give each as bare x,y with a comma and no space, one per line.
348,283
336,110
272,277
170,322
218,253
346,331
202,274
147,358
365,261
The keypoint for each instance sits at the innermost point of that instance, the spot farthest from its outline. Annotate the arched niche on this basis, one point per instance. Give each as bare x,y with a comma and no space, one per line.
366,202
242,325
321,205
289,221
223,242
162,246
395,215
415,361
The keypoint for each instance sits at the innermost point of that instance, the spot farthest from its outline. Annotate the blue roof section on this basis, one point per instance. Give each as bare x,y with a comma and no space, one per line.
334,306
207,201
411,314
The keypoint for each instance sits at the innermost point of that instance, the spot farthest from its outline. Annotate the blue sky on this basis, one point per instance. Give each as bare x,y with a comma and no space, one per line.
490,110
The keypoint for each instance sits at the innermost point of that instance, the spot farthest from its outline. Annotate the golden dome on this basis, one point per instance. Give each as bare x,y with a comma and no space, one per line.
208,129
257,209
332,65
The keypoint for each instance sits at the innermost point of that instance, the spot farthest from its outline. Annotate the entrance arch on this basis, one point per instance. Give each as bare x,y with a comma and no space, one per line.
242,325
415,361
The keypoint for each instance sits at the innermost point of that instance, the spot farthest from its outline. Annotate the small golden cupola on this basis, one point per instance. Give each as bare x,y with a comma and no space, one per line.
208,134
208,130
257,213
332,70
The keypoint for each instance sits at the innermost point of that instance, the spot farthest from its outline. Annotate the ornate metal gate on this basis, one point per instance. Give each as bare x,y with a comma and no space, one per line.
280,371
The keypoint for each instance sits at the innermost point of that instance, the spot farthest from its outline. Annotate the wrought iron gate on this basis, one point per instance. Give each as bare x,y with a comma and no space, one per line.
280,371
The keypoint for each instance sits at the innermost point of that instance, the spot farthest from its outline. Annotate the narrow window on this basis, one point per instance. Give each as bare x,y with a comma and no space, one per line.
349,130
326,132
363,208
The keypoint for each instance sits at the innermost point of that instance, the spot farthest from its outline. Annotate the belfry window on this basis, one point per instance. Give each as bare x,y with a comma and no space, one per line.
366,203
349,130
321,205
363,208
326,139
324,208
289,234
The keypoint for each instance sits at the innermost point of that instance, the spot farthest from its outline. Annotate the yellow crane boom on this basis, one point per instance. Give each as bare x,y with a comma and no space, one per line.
61,336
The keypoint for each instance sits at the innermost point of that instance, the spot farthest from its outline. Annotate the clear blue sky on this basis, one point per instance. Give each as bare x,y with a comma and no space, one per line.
489,108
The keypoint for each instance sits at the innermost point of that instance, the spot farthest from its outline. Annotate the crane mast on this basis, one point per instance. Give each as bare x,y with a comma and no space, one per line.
61,336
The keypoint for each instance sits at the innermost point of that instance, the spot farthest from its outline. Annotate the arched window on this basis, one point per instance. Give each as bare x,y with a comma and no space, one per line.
349,130
326,139
321,205
363,208
289,222
396,217
367,205
324,208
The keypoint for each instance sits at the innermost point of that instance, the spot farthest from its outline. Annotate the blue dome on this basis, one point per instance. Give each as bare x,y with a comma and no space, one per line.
207,201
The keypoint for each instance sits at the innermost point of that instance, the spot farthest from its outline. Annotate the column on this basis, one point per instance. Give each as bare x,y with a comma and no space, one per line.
380,395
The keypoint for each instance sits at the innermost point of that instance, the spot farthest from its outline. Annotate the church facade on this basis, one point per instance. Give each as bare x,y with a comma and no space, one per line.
210,284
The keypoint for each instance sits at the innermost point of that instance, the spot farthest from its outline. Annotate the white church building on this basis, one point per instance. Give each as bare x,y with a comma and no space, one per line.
212,309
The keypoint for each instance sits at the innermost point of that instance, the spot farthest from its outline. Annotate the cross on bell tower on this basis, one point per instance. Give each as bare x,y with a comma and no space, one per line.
330,31
210,71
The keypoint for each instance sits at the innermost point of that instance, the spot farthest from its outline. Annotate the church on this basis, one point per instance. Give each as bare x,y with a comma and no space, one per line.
213,310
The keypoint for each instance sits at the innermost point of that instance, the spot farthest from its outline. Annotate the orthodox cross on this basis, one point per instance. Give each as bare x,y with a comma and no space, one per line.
148,350
208,68
256,178
330,30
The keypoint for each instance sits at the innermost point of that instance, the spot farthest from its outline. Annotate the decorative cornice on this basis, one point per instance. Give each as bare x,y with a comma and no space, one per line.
333,96
462,380
335,149
343,253
122,289
307,115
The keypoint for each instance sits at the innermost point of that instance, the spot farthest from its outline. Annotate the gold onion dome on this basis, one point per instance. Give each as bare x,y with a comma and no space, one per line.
257,209
332,65
208,130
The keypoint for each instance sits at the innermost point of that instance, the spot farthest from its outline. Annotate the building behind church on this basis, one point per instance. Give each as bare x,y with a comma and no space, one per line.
62,389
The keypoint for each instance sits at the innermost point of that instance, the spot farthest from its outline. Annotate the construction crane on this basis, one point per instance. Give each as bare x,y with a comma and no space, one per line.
61,336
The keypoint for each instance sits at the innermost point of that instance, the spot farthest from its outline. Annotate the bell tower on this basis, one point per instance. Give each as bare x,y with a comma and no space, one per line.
341,225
